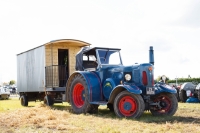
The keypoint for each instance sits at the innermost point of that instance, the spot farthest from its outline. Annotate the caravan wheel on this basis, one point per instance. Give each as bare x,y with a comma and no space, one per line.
48,100
24,100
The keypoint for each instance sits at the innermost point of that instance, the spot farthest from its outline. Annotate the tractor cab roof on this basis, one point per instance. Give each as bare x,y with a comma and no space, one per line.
88,51
91,50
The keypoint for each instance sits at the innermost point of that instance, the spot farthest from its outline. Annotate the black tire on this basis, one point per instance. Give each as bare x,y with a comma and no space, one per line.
183,96
48,100
79,96
110,107
198,94
128,105
168,104
177,95
24,100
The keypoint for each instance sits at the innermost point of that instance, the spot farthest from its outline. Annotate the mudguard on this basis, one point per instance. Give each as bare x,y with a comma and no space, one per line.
131,88
188,86
94,85
161,87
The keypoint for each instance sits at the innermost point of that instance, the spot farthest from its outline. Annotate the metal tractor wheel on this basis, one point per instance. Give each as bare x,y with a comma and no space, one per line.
48,100
167,104
182,95
128,105
24,100
79,95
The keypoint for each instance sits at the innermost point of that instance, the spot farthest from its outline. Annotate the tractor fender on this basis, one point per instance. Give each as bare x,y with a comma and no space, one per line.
161,87
188,86
93,84
131,88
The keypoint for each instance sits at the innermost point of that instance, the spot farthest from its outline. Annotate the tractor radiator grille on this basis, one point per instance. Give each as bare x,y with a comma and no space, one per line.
136,76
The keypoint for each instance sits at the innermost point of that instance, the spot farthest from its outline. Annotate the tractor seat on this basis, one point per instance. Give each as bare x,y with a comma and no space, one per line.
89,65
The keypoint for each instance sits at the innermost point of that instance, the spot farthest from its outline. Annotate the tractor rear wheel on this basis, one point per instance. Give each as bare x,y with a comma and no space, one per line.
128,105
167,104
79,96
24,100
182,95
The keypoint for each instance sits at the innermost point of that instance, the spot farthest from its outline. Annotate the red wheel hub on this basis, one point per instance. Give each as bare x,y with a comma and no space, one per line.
78,95
165,103
127,106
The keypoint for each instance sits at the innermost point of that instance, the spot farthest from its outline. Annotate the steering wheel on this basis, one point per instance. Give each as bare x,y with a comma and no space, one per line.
95,63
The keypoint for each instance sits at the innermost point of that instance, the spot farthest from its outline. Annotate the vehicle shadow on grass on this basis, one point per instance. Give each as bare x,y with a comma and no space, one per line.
58,106
62,107
147,117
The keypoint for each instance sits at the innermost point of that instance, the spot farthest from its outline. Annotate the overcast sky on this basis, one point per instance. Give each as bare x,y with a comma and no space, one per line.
172,27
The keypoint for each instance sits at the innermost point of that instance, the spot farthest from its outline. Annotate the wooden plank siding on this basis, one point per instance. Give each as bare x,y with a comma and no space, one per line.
51,50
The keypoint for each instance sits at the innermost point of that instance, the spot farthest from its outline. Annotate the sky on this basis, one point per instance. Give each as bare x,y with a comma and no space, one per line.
172,27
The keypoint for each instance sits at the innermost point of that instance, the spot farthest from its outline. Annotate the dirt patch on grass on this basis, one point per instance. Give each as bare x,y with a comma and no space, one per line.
42,118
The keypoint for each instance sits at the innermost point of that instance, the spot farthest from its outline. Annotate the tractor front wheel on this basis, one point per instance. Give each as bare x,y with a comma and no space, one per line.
79,96
128,105
167,104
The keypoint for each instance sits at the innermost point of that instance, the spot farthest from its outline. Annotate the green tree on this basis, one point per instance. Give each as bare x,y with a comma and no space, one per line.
182,80
12,82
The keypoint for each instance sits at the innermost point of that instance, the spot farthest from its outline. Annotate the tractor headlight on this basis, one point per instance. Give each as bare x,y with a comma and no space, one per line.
128,77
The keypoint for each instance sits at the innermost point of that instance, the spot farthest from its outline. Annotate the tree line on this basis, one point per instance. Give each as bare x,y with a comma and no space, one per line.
180,80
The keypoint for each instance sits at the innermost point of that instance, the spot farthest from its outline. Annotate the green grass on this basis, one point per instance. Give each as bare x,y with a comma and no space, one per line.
10,104
58,118
13,103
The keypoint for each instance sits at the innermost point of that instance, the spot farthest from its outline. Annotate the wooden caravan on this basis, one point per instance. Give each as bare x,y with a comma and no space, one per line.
60,60
46,68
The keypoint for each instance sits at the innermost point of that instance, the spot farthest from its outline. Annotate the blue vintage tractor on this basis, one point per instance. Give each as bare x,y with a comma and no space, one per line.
101,79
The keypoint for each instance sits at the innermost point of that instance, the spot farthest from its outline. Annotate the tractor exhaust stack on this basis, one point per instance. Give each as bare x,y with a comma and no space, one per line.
151,55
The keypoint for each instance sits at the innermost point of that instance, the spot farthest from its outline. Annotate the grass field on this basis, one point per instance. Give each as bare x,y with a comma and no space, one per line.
39,118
